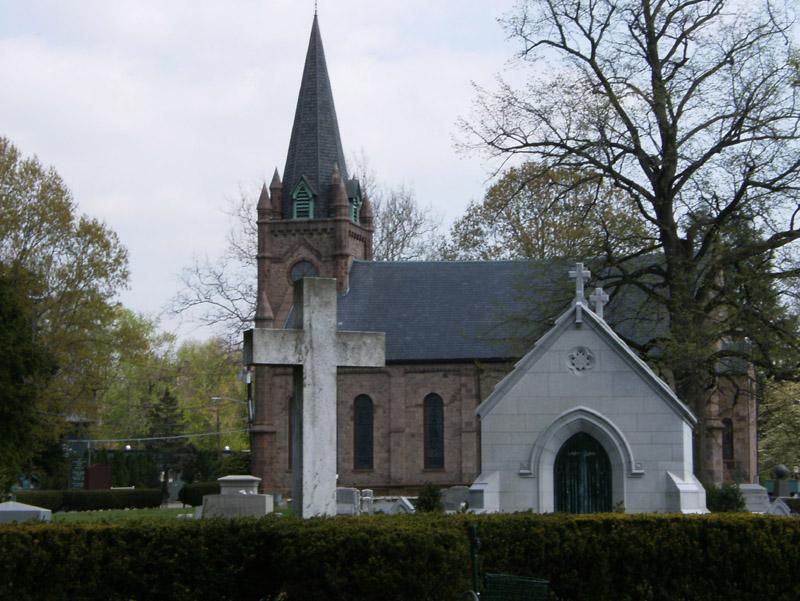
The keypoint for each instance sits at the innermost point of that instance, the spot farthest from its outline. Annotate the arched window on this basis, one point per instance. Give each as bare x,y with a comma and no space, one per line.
727,439
363,417
433,414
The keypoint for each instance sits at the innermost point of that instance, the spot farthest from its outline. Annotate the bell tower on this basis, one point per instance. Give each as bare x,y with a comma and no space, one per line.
313,222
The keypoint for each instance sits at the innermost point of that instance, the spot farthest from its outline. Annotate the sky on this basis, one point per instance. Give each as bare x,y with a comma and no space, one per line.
160,114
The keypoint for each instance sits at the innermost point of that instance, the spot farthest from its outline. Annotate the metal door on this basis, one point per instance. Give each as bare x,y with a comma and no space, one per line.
582,476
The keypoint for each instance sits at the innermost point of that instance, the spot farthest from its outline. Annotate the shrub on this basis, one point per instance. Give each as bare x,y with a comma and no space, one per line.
49,499
608,557
429,499
728,497
192,494
90,500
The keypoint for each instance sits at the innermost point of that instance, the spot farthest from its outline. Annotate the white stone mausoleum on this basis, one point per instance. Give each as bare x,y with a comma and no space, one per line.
582,424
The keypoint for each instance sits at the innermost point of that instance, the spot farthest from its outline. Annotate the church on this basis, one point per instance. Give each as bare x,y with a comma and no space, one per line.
453,332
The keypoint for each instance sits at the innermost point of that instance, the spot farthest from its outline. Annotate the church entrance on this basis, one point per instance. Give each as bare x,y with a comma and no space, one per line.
582,476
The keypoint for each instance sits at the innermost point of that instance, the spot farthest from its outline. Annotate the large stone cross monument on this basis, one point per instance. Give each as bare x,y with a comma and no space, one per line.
315,348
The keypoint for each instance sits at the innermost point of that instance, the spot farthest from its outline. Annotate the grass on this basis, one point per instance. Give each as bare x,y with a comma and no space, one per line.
131,515
119,515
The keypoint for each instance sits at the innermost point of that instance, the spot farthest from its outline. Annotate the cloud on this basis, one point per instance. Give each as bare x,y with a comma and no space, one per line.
157,113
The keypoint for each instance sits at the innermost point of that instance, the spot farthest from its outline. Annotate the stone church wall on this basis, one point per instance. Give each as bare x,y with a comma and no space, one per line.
397,393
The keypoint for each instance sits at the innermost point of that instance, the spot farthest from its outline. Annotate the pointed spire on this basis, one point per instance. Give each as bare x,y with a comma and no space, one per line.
315,145
263,199
337,194
366,212
276,180
276,194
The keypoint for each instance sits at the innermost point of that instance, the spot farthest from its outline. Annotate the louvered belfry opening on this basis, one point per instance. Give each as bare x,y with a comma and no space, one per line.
582,476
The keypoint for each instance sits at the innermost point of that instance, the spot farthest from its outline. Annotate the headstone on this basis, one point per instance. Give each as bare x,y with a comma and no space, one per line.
455,498
756,499
392,505
779,508
348,501
12,511
77,472
315,350
367,497
238,485
238,498
174,488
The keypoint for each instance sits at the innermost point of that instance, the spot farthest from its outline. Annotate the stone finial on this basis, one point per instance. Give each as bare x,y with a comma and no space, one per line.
264,317
276,181
263,199
337,193
276,193
580,274
599,298
367,215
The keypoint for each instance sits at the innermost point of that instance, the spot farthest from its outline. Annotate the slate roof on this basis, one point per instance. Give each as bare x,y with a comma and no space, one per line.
464,310
315,145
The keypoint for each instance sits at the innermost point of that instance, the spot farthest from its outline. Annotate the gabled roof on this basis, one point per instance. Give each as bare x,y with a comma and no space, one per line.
471,310
589,319
315,145
447,311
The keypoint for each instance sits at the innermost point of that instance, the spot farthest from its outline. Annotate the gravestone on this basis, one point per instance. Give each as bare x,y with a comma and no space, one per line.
348,501
756,499
367,497
12,511
315,349
392,505
455,498
238,498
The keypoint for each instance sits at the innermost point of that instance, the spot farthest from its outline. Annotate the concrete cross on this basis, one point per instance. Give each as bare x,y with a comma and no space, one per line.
580,274
315,350
599,298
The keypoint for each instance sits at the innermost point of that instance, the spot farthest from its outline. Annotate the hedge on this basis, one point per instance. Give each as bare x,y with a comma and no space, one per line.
422,557
89,500
192,494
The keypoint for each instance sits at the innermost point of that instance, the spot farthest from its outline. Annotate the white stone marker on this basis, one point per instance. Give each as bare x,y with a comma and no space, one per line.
316,349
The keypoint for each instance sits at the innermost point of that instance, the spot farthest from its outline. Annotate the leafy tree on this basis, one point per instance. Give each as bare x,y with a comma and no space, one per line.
779,425
166,423
211,394
140,366
25,368
81,265
688,108
527,214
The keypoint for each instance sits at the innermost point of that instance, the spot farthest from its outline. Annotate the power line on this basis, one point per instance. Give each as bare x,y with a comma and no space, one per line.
149,438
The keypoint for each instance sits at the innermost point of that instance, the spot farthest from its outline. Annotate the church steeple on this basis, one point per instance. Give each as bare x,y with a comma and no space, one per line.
315,146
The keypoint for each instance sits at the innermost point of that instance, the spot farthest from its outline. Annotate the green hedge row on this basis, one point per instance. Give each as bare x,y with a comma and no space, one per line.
89,500
421,557
192,494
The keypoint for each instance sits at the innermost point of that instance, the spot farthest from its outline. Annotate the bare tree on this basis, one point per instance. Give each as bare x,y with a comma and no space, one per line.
220,292
688,107
404,230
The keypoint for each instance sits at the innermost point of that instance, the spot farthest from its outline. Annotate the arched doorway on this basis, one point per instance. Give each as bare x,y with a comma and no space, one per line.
582,474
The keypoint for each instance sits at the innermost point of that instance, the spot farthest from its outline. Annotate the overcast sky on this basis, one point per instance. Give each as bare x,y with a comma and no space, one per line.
157,114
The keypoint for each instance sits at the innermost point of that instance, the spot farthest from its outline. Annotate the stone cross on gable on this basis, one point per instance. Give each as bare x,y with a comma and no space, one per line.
580,274
599,298
315,350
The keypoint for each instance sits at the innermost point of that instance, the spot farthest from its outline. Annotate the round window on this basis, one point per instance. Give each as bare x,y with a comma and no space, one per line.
303,269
